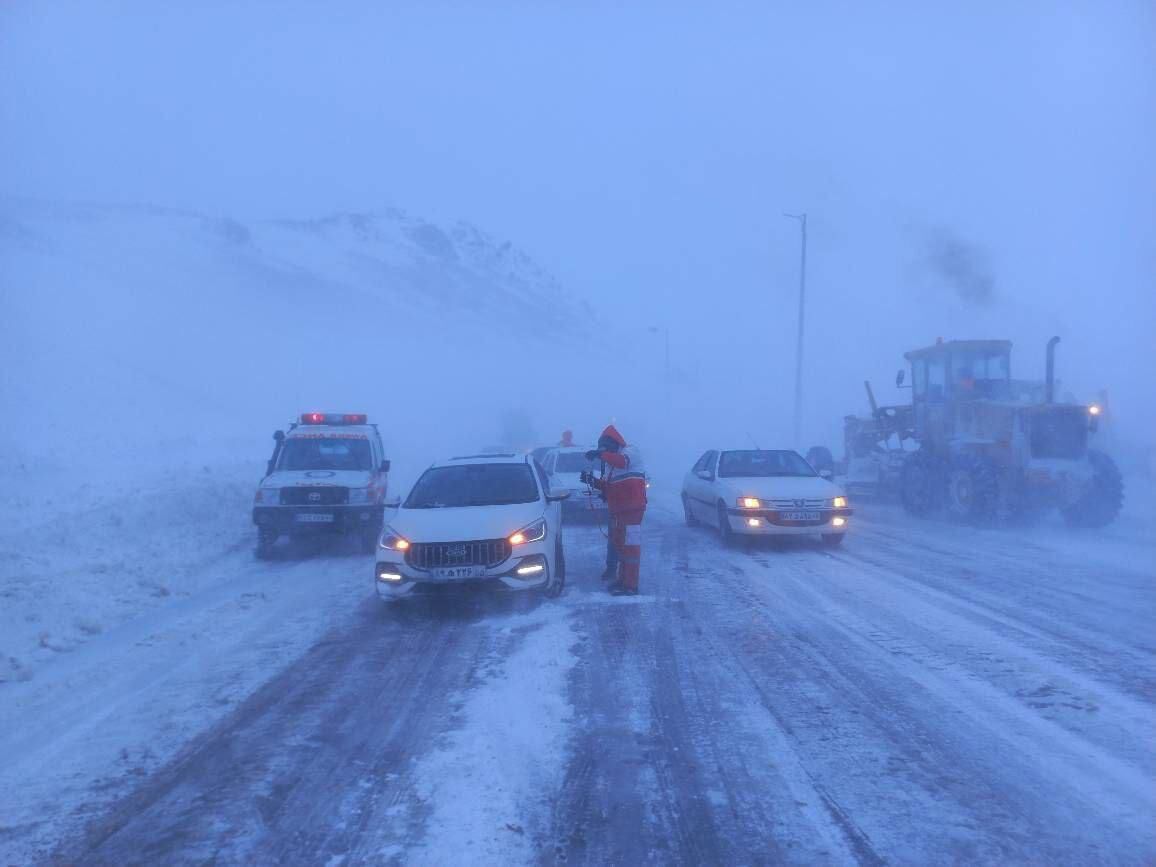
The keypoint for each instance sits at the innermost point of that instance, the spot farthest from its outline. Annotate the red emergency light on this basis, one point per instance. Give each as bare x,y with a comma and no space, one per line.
334,418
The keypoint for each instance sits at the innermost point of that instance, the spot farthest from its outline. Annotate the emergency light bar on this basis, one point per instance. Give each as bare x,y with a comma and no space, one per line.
334,418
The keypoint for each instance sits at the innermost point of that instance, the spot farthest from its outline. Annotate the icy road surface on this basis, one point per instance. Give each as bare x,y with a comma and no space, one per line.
926,694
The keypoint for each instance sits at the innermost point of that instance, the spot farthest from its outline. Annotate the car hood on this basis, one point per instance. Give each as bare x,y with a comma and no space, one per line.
311,478
464,524
570,481
783,487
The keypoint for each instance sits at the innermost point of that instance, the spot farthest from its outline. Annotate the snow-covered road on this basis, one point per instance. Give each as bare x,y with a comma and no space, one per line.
925,694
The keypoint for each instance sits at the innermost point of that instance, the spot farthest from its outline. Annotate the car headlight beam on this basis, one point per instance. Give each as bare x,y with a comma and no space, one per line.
391,540
535,532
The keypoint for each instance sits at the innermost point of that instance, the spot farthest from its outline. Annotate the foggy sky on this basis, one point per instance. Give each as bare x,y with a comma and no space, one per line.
645,153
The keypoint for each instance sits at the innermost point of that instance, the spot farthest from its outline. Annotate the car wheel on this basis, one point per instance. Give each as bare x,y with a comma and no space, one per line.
691,520
724,525
369,541
266,539
558,580
833,540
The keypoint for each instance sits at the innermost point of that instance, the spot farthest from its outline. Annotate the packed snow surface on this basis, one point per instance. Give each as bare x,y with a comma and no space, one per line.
927,693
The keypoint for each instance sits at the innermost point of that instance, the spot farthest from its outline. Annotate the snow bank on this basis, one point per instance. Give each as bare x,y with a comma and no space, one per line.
489,785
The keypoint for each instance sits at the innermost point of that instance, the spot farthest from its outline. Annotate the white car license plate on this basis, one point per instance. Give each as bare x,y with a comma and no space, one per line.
799,516
450,573
310,518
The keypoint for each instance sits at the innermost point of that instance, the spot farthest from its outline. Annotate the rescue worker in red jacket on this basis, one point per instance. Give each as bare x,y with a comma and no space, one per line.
623,484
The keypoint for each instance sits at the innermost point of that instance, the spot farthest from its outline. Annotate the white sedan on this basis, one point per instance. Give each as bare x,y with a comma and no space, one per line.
485,521
764,492
564,466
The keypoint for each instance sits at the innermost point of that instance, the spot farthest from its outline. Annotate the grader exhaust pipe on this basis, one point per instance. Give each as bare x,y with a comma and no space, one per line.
1050,376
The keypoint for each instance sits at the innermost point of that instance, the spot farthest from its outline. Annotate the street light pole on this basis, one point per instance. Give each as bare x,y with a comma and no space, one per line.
802,218
653,329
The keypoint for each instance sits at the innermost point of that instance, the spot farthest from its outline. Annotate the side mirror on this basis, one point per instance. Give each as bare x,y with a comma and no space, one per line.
392,502
705,475
826,474
899,377
557,495
384,468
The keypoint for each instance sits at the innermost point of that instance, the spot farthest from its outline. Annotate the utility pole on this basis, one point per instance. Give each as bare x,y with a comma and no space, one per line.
802,218
653,329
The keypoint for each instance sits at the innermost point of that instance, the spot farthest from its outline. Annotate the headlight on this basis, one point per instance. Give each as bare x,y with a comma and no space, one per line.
391,540
1094,409
359,496
535,532
750,503
268,496
839,503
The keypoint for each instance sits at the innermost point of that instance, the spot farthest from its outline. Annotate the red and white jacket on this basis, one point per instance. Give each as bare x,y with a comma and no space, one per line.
625,481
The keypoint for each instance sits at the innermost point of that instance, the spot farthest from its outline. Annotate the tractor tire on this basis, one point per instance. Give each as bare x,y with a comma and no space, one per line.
972,493
1101,503
921,485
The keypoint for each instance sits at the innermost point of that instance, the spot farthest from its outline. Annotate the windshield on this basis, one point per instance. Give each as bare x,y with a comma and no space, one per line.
473,485
325,453
571,462
761,464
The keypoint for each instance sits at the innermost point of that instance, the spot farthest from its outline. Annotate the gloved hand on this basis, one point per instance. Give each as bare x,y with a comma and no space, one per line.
592,455
586,477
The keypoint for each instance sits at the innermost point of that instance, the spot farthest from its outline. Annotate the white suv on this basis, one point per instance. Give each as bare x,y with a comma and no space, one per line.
485,521
328,474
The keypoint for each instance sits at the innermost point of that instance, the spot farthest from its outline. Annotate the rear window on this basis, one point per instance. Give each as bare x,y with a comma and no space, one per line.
473,485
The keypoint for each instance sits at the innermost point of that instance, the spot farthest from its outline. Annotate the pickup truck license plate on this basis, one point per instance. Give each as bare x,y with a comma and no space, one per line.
451,573
312,518
799,516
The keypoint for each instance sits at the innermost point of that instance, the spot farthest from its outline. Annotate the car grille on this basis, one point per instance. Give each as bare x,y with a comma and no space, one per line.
437,555
314,495
791,505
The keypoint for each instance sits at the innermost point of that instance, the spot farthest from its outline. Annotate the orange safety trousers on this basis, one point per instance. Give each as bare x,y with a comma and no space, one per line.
626,533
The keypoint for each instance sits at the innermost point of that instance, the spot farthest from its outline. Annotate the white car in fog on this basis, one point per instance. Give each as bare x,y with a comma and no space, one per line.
478,522
564,466
764,492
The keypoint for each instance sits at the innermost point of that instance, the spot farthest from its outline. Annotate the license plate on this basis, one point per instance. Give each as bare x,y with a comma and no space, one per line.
799,516
309,518
451,573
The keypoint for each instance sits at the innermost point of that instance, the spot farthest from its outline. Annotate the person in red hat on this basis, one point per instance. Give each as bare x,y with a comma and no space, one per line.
623,484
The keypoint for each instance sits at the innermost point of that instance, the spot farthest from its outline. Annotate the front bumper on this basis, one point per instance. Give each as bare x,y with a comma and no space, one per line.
502,577
319,519
771,523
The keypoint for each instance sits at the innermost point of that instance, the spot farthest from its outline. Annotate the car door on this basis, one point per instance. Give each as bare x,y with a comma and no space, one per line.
710,489
553,511
701,490
690,485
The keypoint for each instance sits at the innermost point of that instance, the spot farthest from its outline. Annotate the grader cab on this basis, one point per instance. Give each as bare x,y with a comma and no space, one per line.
987,454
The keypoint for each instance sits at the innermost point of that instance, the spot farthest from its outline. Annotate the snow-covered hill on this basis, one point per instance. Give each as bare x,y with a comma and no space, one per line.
137,330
